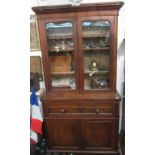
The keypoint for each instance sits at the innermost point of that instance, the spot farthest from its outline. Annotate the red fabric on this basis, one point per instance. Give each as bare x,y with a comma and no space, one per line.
36,125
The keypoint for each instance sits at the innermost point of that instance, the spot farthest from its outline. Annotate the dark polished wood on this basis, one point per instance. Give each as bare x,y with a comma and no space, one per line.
82,7
80,121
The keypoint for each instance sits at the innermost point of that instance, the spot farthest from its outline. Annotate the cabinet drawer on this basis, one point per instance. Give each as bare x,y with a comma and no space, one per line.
108,110
64,110
99,110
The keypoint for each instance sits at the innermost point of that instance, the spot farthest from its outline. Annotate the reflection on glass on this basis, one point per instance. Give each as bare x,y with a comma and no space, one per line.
96,40
61,52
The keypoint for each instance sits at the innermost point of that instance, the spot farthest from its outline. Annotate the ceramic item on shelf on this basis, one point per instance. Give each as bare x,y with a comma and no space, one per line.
94,66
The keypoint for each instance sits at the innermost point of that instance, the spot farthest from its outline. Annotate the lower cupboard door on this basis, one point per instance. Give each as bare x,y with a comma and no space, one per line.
99,134
62,134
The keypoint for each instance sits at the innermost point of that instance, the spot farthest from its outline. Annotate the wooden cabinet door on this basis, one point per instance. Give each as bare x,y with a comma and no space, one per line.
59,53
63,134
99,134
97,53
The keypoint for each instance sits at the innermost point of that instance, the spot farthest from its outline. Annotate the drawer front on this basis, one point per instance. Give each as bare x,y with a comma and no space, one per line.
91,110
63,110
98,110
81,107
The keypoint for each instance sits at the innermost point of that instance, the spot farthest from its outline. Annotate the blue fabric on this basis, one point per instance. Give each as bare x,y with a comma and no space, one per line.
34,98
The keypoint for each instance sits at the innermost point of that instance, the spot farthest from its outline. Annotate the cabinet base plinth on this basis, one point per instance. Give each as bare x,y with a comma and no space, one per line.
82,152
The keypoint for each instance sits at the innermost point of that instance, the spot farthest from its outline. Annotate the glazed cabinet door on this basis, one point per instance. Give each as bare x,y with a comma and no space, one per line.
59,46
97,52
63,134
99,134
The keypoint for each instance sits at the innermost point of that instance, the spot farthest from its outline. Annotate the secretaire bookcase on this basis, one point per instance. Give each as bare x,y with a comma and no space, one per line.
79,51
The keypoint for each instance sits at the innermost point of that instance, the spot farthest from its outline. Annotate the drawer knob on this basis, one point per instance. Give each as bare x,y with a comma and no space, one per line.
62,110
97,110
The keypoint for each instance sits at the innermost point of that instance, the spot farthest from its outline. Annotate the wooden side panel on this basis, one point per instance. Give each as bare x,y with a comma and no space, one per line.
63,134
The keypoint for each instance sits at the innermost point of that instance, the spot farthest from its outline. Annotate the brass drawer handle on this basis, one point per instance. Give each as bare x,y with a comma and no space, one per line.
97,111
63,110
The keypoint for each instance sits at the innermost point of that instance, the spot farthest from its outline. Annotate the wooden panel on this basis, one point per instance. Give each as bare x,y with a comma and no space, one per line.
63,134
97,135
82,116
83,8
60,64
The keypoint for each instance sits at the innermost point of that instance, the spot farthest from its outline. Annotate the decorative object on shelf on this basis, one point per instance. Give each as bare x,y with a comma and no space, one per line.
60,45
96,42
94,66
56,48
92,73
95,34
99,83
34,37
61,83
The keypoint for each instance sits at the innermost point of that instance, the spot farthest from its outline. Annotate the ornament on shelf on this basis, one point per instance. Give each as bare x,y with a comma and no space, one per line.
94,66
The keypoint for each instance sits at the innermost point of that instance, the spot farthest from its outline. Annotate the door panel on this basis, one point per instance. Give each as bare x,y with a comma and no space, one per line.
98,135
60,53
63,134
96,53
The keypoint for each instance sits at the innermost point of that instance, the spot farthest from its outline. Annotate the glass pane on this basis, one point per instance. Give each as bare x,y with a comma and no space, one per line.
96,54
61,54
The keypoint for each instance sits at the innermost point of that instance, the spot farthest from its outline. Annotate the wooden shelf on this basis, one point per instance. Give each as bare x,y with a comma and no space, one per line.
66,50
96,73
93,36
96,49
63,73
61,37
84,49
61,53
